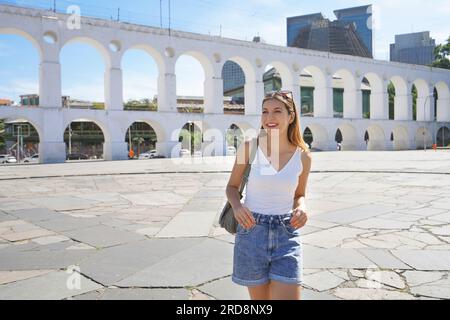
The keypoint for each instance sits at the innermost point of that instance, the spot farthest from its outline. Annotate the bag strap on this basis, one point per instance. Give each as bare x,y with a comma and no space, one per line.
253,150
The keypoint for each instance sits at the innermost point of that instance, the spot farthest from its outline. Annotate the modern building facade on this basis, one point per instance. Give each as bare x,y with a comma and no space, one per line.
350,34
361,19
415,48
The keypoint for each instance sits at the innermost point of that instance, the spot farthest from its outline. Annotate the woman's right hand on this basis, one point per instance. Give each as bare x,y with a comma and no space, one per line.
244,217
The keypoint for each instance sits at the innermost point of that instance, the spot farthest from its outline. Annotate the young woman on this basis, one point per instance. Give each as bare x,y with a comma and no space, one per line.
268,253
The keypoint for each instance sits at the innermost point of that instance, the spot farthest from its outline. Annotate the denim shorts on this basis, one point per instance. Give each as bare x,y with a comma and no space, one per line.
271,249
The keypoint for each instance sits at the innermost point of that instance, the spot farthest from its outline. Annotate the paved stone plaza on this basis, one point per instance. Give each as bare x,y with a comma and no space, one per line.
379,228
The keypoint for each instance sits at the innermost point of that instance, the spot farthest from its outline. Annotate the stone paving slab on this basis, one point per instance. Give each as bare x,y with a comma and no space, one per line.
103,236
425,259
202,268
61,203
36,260
50,286
135,294
189,224
334,258
67,223
110,265
384,259
34,214
358,213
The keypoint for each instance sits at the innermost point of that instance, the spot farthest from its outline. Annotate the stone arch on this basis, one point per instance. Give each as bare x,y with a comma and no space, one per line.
152,56
443,102
350,139
287,80
423,138
204,61
402,99
377,138
378,96
24,34
93,43
320,139
424,100
152,52
350,97
401,138
312,76
156,126
106,133
236,94
443,136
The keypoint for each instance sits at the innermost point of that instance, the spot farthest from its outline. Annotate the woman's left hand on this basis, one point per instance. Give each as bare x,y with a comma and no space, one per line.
299,218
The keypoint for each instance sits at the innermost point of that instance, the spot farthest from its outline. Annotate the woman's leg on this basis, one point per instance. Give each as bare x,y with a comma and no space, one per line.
283,291
261,292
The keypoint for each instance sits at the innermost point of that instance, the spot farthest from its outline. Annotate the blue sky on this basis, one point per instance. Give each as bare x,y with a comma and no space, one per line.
82,66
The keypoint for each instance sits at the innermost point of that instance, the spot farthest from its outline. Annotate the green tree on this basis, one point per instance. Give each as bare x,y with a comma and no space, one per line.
441,56
391,93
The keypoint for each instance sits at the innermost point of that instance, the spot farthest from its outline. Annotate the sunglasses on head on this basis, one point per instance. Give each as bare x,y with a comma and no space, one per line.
284,93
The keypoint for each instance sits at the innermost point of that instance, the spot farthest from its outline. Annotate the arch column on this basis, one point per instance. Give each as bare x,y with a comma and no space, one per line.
52,148
403,107
167,92
115,150
423,107
379,103
113,88
353,101
323,99
114,147
213,95
50,87
443,110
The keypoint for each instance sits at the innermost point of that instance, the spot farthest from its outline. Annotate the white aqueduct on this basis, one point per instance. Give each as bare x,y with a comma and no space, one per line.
112,39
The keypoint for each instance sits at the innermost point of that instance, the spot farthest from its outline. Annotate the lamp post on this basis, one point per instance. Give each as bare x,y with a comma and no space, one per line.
424,105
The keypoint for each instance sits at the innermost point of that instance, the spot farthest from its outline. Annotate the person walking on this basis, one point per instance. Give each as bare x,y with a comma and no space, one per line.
268,255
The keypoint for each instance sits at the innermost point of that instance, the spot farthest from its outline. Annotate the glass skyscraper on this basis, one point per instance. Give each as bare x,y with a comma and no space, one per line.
359,17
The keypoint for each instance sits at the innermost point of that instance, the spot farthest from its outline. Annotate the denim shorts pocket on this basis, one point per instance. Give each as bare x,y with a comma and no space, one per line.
288,228
242,231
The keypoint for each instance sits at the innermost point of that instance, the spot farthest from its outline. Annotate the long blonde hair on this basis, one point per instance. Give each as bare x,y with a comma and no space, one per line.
294,130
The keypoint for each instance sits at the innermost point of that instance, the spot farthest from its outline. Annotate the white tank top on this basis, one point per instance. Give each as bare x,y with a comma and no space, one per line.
271,192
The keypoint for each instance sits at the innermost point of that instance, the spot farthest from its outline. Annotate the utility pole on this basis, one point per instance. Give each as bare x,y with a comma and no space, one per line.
169,17
54,5
118,14
160,13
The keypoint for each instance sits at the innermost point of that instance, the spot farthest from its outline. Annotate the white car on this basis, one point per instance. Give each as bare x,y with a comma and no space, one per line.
148,155
231,151
185,153
32,159
7,158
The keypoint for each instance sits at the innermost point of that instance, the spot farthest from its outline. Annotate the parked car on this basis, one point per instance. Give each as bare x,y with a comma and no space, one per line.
77,156
231,151
149,155
185,153
33,159
7,158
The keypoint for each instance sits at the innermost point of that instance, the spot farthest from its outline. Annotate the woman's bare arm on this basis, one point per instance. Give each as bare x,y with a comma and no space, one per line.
242,214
